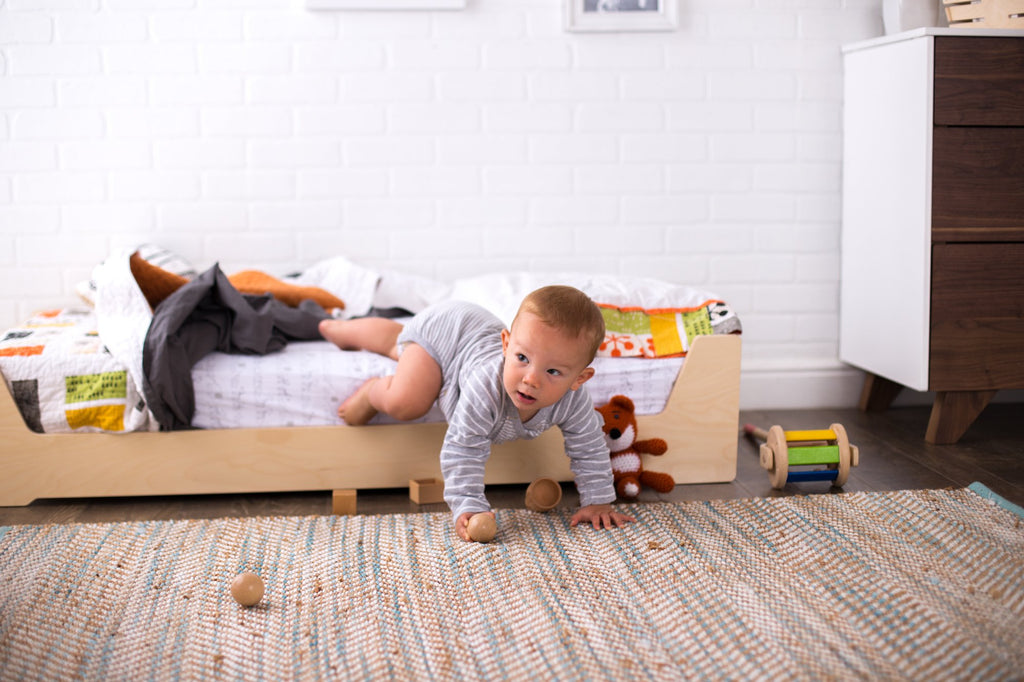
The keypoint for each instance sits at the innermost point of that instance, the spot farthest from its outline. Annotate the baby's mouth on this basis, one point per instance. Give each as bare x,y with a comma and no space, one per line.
527,399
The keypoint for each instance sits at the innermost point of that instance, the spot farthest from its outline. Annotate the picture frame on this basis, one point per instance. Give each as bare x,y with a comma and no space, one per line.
620,15
385,4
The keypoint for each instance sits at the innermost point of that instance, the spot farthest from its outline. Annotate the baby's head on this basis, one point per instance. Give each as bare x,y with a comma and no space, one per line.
555,335
569,311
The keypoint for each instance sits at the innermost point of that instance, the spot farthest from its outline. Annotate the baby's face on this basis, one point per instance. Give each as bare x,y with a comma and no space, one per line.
541,364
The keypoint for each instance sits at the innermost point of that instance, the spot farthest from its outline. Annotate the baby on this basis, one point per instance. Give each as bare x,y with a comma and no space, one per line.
493,385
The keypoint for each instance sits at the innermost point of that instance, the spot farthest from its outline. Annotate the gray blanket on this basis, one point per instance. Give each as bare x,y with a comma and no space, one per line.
208,314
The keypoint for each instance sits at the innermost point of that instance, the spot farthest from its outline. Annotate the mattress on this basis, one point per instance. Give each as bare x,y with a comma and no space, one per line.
303,384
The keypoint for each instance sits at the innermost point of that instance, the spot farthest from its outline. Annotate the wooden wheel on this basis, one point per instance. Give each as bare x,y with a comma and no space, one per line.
845,455
780,457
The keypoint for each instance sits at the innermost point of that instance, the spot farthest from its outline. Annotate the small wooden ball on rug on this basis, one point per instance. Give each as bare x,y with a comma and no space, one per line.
247,588
482,527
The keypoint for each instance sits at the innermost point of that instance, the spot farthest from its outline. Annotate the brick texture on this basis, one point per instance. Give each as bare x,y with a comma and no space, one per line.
258,133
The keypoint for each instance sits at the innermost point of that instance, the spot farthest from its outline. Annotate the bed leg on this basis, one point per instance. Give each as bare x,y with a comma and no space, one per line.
343,502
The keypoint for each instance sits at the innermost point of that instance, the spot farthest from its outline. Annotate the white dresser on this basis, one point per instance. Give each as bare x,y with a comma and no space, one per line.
932,280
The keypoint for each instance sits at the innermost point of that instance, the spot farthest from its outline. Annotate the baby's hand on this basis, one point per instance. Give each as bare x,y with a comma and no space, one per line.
462,525
600,516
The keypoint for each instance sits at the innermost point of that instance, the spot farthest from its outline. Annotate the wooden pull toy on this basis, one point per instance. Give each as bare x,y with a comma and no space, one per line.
785,449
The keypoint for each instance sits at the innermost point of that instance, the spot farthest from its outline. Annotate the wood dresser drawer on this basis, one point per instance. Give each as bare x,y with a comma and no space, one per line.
978,179
979,81
977,317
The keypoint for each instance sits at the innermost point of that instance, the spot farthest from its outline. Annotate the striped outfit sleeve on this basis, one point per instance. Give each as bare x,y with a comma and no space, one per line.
586,448
467,445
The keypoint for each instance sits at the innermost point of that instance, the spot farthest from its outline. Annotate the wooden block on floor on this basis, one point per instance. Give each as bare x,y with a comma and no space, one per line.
426,490
343,502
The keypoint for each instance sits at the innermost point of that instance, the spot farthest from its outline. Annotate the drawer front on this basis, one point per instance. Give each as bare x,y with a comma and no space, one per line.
979,81
978,179
977,317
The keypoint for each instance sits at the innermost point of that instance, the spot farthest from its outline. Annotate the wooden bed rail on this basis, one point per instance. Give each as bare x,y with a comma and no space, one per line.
700,424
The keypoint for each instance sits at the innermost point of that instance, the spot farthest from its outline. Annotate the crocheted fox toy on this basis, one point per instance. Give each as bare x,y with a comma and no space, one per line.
626,450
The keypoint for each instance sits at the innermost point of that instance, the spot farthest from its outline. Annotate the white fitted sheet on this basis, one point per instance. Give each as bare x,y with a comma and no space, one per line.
303,385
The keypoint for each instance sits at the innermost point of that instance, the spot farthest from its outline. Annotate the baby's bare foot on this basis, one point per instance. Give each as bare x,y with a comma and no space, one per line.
357,410
333,331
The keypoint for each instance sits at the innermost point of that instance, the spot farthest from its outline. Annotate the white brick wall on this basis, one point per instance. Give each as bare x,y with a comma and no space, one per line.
259,134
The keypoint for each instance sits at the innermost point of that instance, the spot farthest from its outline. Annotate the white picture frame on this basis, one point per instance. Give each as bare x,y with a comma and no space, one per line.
384,4
620,15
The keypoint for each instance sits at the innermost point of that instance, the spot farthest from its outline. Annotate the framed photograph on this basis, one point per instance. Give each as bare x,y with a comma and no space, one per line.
620,15
386,4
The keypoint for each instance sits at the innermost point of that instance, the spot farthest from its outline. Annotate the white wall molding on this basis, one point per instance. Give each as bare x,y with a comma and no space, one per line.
824,384
777,386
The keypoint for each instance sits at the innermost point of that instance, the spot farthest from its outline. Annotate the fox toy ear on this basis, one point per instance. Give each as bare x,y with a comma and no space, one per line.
622,402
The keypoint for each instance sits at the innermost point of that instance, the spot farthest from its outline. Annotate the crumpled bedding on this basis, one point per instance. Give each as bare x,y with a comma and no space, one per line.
122,320
640,307
208,314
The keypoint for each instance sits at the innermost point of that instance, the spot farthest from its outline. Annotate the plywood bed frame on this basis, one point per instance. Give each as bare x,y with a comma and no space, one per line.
700,423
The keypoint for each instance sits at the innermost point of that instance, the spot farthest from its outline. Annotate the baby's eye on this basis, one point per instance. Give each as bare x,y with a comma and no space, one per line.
555,372
520,357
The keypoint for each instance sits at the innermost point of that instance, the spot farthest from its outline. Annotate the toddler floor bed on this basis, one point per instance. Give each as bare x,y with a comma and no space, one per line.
697,416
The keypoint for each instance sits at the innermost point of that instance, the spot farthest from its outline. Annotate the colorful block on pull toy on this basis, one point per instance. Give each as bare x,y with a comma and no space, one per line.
810,436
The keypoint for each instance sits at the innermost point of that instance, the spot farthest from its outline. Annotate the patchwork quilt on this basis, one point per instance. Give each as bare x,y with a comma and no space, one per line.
662,332
63,378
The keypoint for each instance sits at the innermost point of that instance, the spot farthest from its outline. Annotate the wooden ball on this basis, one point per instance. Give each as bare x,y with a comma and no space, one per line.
247,588
543,495
482,527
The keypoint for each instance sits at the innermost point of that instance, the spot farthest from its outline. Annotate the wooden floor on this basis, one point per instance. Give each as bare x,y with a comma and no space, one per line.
893,456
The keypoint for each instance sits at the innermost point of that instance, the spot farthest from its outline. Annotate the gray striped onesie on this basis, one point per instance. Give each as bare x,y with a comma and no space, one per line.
465,340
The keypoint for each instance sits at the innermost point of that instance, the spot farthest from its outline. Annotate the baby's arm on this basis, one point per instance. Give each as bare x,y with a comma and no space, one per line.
464,456
591,465
600,516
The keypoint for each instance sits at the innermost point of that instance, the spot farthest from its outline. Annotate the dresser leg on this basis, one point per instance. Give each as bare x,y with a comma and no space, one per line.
878,393
953,412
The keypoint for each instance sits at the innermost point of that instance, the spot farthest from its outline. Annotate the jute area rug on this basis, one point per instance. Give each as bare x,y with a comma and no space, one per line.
921,585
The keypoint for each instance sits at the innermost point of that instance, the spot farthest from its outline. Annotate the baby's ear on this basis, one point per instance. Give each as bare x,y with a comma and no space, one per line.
585,376
505,336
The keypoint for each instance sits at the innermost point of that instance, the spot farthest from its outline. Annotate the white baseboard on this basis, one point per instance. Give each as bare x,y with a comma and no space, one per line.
766,387
777,388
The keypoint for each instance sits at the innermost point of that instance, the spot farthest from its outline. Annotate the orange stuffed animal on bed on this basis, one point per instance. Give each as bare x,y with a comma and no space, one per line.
627,452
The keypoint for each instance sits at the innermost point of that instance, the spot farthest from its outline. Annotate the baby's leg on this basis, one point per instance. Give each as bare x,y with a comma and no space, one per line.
376,334
406,395
357,410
